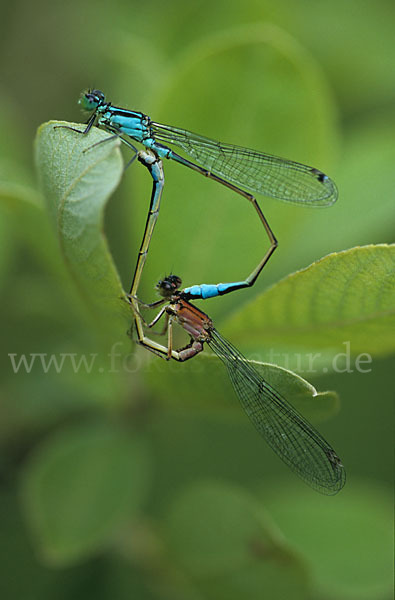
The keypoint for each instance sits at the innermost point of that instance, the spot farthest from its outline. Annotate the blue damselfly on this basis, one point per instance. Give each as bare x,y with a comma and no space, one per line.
235,167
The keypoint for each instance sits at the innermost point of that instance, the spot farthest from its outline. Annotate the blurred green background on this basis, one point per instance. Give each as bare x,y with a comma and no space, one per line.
146,480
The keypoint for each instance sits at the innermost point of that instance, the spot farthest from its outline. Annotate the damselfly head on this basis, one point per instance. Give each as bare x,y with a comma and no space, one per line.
91,100
167,286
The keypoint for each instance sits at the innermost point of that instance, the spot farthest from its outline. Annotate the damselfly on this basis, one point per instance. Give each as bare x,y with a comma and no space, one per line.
286,431
235,167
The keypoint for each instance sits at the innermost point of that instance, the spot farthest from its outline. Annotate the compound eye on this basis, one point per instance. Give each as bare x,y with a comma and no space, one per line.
98,95
91,100
175,281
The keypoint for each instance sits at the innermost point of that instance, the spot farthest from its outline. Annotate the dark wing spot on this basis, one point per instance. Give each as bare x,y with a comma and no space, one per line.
319,175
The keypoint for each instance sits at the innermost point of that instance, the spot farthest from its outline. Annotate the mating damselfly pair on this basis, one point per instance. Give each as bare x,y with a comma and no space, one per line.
293,439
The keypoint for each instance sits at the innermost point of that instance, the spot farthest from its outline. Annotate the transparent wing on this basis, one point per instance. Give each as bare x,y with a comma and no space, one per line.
258,172
291,437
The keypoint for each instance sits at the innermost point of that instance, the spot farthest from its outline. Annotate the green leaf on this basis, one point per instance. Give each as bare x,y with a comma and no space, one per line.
315,406
76,181
80,487
357,524
223,539
346,297
207,384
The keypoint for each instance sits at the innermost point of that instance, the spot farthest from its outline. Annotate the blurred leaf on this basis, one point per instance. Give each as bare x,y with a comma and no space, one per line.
7,250
27,406
357,524
366,181
230,59
22,575
365,210
76,186
122,580
22,209
11,192
123,47
226,542
80,487
345,296
16,196
360,36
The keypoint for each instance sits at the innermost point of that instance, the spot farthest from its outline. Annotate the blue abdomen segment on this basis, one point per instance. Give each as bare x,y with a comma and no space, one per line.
204,290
